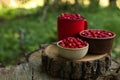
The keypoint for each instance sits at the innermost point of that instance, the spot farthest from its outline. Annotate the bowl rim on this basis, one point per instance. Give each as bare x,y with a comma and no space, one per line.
80,33
72,49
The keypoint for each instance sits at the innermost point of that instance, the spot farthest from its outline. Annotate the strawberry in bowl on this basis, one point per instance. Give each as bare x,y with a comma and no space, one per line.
100,41
72,48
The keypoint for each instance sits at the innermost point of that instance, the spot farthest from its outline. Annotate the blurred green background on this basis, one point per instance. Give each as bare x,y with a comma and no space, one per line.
25,24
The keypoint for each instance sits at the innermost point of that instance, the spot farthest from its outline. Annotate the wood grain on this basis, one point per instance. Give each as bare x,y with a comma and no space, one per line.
88,67
32,70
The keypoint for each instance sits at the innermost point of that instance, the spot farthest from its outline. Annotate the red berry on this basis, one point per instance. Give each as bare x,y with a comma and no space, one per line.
72,42
97,34
68,16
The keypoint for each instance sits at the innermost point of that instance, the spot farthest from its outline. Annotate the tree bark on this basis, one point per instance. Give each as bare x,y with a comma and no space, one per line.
113,3
87,68
93,4
44,11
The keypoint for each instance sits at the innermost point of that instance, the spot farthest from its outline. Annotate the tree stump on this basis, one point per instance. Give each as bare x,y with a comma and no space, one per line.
87,68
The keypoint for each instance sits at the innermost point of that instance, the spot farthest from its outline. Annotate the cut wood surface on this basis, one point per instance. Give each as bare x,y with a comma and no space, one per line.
32,70
86,68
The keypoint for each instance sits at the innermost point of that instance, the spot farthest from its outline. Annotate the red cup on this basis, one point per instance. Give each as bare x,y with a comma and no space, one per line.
70,28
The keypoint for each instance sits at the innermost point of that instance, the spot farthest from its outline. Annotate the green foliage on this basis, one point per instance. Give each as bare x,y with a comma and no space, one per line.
37,32
9,13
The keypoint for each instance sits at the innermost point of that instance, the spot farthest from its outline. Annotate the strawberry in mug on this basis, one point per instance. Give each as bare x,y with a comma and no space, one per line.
69,25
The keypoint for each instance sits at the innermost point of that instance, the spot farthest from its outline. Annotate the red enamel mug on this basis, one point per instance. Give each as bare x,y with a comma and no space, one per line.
70,27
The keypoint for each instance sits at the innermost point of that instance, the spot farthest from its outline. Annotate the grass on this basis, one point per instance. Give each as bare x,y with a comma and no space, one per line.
36,32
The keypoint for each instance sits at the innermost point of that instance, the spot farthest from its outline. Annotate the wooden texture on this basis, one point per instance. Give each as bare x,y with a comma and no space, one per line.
32,70
86,68
26,71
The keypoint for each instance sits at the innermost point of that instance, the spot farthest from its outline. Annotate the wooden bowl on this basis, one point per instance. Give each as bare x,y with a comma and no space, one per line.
72,53
98,45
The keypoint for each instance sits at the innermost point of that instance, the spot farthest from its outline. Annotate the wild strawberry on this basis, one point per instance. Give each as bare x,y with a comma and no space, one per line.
68,16
72,42
97,34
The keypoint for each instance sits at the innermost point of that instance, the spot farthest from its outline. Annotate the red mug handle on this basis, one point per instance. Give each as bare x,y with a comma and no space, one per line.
85,24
